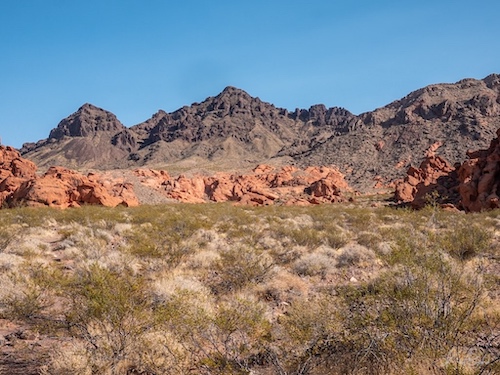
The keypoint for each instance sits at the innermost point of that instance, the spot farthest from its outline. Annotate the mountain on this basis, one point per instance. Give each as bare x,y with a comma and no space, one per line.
385,142
87,138
231,127
235,130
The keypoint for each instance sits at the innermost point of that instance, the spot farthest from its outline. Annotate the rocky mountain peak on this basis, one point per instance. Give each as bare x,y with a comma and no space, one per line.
88,107
493,82
233,91
231,101
88,120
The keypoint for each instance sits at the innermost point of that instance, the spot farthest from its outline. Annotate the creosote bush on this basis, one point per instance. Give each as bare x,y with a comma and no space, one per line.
466,241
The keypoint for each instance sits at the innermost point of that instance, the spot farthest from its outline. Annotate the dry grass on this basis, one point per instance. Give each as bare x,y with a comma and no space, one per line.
217,289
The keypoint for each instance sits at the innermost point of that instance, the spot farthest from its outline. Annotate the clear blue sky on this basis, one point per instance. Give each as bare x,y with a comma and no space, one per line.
133,57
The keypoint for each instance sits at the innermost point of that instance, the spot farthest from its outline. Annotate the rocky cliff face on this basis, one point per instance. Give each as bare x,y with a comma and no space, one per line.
62,188
90,137
435,181
234,130
234,126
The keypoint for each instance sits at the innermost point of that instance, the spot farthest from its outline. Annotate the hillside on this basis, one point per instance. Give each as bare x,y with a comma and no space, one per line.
234,130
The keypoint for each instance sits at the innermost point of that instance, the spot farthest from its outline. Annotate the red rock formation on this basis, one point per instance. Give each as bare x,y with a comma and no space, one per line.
435,174
265,186
189,190
58,187
480,178
474,186
11,163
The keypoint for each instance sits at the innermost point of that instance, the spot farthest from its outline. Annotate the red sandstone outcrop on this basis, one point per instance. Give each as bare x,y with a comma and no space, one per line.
435,179
58,187
479,178
12,164
266,185
473,186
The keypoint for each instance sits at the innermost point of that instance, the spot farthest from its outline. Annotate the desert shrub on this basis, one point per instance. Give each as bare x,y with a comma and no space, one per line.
72,358
310,236
28,291
161,243
205,338
86,243
359,219
423,313
149,241
161,352
7,235
109,312
180,315
354,255
165,236
314,264
236,222
286,253
28,215
408,243
335,237
283,288
92,216
234,339
368,239
217,289
179,287
308,338
465,241
9,262
25,302
307,236
237,267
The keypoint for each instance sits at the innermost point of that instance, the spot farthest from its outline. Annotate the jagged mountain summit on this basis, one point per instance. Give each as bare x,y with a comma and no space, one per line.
234,130
385,142
231,126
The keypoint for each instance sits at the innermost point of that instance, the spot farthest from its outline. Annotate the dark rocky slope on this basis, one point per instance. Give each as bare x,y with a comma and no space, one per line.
236,130
385,142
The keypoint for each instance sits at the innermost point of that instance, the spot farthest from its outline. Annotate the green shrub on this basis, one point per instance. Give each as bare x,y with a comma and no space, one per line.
465,241
237,267
425,311
110,312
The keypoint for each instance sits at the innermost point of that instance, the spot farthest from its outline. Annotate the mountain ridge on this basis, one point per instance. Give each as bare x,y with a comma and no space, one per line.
234,129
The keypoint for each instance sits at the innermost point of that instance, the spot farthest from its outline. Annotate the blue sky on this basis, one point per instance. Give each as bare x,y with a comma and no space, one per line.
133,57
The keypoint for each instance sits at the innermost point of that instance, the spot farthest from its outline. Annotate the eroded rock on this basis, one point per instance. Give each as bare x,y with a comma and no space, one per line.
265,185
58,187
434,181
480,178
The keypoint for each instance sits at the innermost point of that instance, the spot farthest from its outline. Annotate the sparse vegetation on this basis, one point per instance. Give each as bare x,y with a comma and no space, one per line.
218,289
